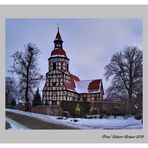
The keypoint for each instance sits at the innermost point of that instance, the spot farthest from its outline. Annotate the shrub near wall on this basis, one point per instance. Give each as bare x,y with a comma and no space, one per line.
71,105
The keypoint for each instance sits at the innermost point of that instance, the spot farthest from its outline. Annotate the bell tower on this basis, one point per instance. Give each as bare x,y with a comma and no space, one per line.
58,74
58,59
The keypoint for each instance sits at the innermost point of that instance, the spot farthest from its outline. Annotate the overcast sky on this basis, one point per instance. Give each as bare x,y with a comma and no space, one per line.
89,43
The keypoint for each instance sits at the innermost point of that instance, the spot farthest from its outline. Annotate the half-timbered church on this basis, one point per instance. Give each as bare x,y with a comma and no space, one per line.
62,85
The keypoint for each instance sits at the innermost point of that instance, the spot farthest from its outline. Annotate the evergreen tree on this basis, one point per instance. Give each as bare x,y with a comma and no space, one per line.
37,98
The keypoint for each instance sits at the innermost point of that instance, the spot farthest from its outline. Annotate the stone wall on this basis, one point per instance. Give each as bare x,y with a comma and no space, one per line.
20,107
47,110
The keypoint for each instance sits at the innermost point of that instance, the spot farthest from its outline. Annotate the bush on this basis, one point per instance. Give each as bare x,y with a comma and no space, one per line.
66,114
60,118
75,120
101,116
71,105
138,116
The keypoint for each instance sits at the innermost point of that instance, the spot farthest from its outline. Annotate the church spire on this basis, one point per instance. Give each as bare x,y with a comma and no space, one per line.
58,49
58,40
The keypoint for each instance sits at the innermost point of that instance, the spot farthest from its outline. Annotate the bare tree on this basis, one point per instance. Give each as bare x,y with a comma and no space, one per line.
126,70
25,66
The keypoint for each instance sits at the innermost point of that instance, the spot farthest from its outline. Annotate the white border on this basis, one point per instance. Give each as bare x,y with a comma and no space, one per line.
74,2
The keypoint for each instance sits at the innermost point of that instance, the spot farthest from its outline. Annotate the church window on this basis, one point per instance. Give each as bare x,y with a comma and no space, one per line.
54,83
54,66
96,98
85,99
92,98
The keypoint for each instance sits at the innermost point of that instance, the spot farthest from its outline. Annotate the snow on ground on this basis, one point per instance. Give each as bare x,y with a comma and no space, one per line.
15,125
111,123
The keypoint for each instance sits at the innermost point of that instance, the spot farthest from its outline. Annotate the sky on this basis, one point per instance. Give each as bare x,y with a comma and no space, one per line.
89,43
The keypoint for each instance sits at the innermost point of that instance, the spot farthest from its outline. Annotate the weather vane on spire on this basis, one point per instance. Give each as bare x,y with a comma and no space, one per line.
58,26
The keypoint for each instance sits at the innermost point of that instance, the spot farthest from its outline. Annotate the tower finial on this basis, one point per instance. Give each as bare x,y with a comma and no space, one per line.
58,26
58,40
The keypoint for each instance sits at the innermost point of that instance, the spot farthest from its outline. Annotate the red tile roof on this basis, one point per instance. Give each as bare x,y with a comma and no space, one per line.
59,51
85,86
75,77
94,85
70,85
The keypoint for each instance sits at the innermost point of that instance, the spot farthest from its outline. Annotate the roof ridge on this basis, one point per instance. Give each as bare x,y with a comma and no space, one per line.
90,80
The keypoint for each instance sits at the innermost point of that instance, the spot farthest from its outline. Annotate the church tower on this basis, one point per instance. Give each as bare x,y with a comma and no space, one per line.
58,74
58,59
61,85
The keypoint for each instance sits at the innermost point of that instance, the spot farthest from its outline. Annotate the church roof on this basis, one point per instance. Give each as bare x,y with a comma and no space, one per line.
74,77
58,52
85,86
58,36
88,86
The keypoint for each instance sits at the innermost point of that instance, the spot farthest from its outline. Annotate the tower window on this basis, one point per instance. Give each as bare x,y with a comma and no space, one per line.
84,99
54,66
54,83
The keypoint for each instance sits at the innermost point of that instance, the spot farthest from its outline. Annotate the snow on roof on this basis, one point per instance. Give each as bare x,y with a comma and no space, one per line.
88,86
84,86
57,55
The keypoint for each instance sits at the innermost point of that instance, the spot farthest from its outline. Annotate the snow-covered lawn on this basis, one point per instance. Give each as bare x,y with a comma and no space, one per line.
111,123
